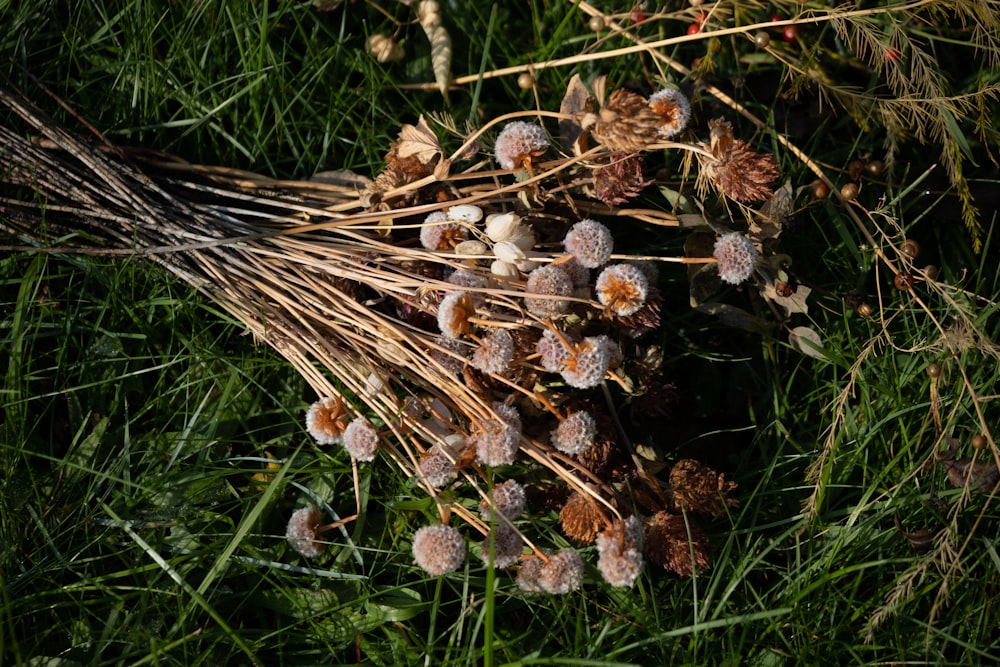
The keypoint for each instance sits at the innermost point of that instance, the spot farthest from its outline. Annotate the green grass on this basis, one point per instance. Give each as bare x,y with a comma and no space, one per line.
135,414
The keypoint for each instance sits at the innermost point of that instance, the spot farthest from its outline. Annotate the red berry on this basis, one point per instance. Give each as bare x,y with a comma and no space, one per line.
637,15
694,28
892,55
790,33
700,17
776,17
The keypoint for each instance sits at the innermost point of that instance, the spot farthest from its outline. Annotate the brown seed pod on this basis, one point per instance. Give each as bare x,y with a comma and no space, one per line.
875,168
818,189
525,81
910,248
761,40
934,370
978,441
784,289
931,272
904,281
855,168
597,23
850,191
864,310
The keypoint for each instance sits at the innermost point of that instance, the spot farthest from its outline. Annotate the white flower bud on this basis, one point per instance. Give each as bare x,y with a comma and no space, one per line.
471,248
501,226
465,213
506,251
504,269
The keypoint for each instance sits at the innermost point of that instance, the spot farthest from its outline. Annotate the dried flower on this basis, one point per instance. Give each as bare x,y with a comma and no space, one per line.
580,518
576,433
497,441
622,288
589,242
552,351
578,274
326,420
437,468
465,213
673,109
454,312
562,574
438,549
360,440
508,499
467,279
519,143
625,123
738,171
698,488
451,362
495,352
549,281
737,256
527,576
438,233
301,532
620,180
507,546
588,362
668,544
620,549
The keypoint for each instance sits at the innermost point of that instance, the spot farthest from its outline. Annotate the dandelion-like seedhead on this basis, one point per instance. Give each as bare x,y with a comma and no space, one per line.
448,361
301,532
622,288
590,243
454,312
326,420
360,440
507,547
620,548
438,233
552,352
508,499
550,281
527,576
519,142
437,468
467,279
495,352
736,256
578,274
497,441
438,549
588,363
673,108
576,433
562,574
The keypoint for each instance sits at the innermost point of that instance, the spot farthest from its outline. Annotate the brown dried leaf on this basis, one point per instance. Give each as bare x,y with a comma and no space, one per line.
807,341
573,102
980,476
419,141
794,303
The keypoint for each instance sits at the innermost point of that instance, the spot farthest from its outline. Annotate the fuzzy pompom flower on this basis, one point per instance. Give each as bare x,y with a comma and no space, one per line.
588,362
507,547
562,574
437,468
552,351
576,433
438,233
495,352
438,549
519,143
454,312
497,441
547,281
326,420
527,576
449,352
736,256
620,549
625,123
590,243
622,288
360,440
301,532
508,499
673,109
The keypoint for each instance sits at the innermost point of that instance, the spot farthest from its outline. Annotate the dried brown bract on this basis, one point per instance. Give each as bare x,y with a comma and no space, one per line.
625,123
580,518
698,488
675,544
737,170
620,180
